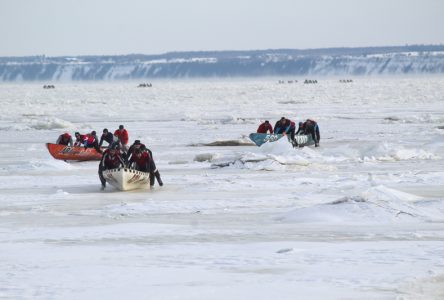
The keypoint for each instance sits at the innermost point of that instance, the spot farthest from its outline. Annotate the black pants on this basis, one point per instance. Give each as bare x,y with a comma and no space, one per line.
292,132
150,168
102,179
314,131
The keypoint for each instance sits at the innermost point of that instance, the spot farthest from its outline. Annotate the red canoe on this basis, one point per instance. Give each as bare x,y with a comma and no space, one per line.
72,153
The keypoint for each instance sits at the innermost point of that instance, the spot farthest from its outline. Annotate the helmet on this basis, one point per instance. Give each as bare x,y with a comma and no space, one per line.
93,132
105,130
137,142
115,146
300,124
120,126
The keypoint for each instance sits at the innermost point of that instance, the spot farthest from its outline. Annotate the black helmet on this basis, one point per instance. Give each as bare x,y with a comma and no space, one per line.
93,132
137,142
120,126
105,130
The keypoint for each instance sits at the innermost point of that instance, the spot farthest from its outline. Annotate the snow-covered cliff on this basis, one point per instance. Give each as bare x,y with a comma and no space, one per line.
333,61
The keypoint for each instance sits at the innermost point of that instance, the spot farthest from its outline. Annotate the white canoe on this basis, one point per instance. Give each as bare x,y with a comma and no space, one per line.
126,179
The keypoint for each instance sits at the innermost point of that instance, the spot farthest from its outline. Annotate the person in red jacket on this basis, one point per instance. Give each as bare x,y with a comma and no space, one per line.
111,159
91,141
122,136
65,139
80,138
265,127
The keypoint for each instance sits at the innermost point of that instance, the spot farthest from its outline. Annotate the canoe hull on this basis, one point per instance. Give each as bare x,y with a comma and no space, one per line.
125,179
262,138
73,153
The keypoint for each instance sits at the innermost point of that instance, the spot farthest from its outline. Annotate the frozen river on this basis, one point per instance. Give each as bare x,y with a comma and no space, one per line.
361,217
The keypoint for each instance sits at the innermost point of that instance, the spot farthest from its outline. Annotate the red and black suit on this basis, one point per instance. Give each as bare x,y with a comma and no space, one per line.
110,160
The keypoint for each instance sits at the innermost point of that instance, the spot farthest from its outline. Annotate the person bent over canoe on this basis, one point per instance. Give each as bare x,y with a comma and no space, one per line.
286,126
79,139
137,144
310,127
142,160
111,159
265,127
65,139
91,141
107,137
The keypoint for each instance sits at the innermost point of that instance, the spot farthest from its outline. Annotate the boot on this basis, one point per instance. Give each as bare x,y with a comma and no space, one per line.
157,174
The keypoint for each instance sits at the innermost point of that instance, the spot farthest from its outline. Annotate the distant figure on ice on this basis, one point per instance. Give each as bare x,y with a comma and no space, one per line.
107,137
111,159
265,127
310,127
65,139
122,136
142,159
285,126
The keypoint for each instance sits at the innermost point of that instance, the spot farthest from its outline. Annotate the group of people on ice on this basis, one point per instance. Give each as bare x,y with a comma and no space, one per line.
118,154
90,140
286,126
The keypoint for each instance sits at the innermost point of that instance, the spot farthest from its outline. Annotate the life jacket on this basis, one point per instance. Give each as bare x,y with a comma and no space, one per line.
89,140
309,126
141,162
79,141
64,139
263,128
112,161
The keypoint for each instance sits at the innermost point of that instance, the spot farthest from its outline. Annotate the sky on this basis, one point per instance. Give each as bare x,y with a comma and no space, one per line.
112,27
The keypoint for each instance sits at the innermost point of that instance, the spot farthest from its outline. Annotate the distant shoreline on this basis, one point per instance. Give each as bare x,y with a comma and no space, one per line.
310,63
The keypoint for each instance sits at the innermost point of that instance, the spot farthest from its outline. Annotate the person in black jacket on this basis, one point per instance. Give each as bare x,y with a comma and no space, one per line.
310,127
107,137
285,126
111,159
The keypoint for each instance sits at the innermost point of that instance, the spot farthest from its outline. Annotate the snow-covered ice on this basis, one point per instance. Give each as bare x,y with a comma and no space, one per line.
361,217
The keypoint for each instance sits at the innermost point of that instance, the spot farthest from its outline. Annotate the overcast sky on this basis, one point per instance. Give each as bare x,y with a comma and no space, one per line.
93,27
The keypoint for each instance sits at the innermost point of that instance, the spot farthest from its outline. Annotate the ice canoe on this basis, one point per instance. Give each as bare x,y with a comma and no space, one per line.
261,138
73,153
126,179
